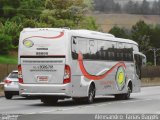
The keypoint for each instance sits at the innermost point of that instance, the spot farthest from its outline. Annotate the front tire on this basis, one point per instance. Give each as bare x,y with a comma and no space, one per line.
128,94
124,96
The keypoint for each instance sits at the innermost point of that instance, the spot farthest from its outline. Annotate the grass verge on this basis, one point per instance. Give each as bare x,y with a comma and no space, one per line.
6,59
150,82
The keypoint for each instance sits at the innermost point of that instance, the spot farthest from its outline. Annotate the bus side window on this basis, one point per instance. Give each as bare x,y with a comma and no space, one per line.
120,51
92,49
128,50
83,47
74,48
138,64
106,50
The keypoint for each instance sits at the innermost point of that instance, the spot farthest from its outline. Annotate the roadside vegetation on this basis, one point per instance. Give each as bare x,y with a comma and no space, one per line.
18,14
8,59
147,37
142,7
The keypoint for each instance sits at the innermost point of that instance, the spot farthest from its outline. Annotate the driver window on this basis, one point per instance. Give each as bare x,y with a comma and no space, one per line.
138,64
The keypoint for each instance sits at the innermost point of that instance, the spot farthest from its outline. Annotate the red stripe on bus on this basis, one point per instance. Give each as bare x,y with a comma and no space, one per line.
54,37
96,77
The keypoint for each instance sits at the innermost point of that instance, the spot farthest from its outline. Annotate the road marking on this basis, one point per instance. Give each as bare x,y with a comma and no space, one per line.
137,101
158,112
94,105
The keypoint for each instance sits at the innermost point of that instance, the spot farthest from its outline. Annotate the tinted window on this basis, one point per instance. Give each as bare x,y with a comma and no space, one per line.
87,47
13,75
106,50
101,50
124,52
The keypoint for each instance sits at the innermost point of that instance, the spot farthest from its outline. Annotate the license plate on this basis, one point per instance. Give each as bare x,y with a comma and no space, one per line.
42,78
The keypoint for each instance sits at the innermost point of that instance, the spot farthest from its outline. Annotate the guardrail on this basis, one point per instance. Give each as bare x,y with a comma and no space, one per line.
1,83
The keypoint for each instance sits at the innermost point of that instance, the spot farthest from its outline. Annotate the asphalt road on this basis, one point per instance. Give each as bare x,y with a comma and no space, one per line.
148,101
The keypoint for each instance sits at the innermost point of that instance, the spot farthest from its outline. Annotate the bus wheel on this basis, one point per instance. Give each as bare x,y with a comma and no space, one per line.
49,100
128,94
124,96
91,94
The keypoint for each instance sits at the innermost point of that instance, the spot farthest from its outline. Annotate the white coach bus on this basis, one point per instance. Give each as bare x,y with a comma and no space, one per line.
59,63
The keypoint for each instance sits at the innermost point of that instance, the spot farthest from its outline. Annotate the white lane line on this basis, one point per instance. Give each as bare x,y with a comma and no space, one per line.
158,112
95,105
136,101
55,110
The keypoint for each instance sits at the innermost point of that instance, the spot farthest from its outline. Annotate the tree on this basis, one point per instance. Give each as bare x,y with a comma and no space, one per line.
129,7
137,8
141,34
155,7
119,32
18,14
5,44
154,43
57,14
107,6
117,8
155,37
145,9
89,4
158,7
89,23
12,30
31,9
8,8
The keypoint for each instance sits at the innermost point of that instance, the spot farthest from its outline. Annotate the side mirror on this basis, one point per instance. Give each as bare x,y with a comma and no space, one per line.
144,60
141,58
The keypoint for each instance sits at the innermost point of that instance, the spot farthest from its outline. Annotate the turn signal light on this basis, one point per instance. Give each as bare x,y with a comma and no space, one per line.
20,74
67,74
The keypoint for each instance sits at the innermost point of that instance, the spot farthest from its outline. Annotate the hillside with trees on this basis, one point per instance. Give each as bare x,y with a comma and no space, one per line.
147,36
130,7
18,14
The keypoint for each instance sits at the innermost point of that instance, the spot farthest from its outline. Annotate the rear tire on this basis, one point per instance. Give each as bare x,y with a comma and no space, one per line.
91,94
8,95
49,100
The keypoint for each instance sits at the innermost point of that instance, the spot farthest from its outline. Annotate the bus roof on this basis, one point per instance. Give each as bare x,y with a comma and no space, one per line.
100,35
83,33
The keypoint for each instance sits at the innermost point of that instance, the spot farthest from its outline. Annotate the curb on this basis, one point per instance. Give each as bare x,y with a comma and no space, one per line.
1,85
1,96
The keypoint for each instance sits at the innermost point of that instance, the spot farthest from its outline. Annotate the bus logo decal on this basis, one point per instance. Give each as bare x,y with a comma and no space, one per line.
120,78
54,37
97,77
28,43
